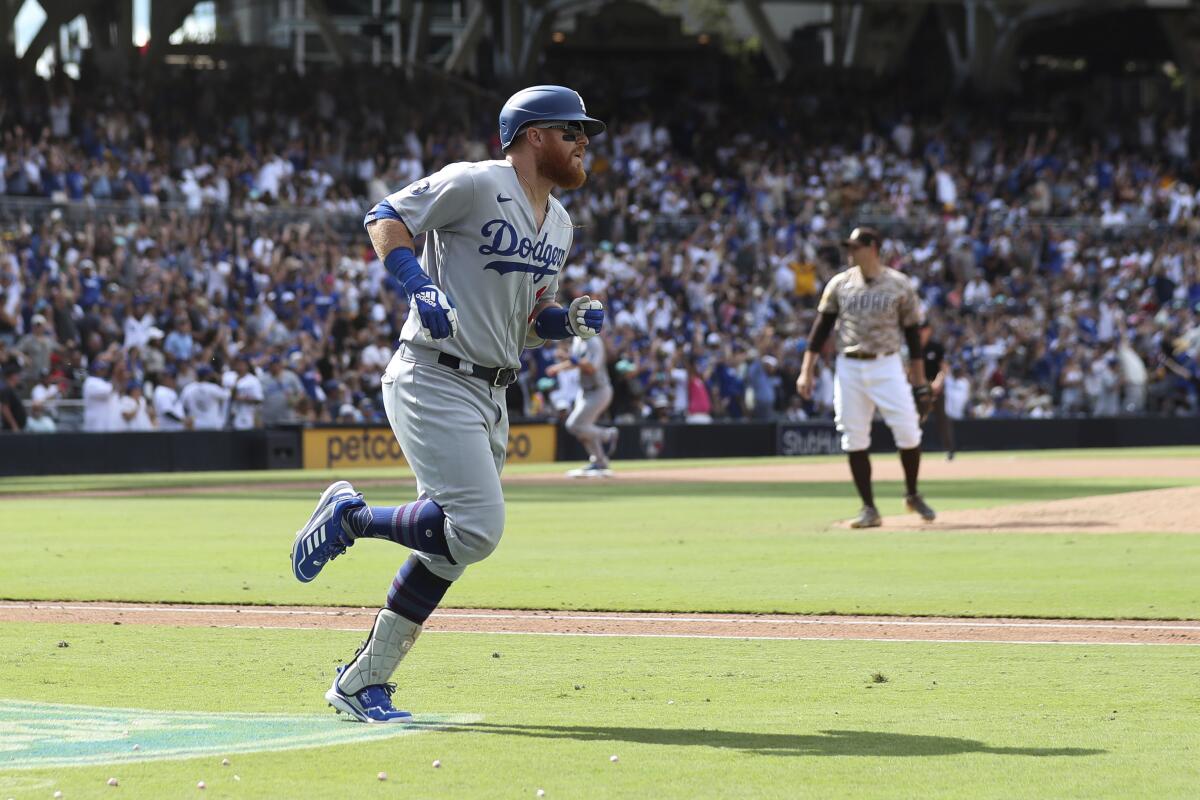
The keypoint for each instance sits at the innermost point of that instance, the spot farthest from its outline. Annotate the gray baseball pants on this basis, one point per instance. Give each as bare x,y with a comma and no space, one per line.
453,429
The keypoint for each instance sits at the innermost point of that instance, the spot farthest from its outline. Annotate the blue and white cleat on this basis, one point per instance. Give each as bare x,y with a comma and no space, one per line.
323,539
372,704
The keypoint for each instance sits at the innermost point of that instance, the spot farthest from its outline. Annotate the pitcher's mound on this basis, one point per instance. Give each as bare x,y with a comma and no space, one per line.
1158,511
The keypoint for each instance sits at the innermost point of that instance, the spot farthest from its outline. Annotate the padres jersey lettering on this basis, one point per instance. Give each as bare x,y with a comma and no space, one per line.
870,314
485,252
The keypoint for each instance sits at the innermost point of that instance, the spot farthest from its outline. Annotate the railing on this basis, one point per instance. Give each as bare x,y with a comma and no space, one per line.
918,222
37,209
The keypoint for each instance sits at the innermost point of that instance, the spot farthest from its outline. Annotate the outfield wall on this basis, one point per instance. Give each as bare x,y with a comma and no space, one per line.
177,451
357,447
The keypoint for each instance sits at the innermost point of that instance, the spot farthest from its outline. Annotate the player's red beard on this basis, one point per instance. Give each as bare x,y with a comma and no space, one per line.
560,168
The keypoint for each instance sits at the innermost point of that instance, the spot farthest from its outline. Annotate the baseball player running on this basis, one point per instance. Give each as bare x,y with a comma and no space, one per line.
595,394
482,290
874,304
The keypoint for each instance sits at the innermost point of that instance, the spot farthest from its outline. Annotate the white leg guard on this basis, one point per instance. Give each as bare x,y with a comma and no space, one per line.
391,638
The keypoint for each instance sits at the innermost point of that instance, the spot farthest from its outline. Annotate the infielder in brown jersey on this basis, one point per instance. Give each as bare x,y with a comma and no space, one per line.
874,305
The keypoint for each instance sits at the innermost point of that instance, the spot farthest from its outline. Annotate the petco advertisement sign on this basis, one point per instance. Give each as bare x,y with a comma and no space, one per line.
330,448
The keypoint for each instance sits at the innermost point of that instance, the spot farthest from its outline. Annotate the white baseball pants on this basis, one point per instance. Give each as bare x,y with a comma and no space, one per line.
860,387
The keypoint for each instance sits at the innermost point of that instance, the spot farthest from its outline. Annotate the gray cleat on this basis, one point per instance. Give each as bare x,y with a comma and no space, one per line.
867,518
916,504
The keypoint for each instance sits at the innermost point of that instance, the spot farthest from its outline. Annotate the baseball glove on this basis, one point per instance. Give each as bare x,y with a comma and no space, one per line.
923,397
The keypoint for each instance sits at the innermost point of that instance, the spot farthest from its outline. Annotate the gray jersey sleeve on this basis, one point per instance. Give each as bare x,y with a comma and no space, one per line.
441,201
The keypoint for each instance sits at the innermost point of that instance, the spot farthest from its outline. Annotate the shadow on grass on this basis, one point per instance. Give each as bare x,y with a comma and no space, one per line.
825,743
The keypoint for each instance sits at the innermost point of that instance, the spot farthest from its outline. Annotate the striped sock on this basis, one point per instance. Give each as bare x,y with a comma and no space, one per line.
420,525
416,591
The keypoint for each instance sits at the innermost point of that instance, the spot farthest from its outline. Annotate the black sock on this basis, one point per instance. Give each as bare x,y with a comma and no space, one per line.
911,461
860,468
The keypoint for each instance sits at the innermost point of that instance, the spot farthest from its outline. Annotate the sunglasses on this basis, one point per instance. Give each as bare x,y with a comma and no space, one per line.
572,130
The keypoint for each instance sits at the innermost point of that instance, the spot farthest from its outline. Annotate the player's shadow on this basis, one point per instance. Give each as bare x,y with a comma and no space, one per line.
824,743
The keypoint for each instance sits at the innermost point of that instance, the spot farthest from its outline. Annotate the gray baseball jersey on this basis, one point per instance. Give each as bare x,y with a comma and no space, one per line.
592,351
484,251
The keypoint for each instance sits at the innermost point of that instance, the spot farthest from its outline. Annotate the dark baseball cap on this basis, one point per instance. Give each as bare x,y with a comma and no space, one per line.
863,236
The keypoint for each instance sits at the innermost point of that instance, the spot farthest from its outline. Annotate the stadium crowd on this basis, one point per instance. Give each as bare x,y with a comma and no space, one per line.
1056,266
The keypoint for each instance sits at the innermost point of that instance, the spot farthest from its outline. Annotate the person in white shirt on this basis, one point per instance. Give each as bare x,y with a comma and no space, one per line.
46,394
377,355
167,407
138,325
247,396
958,392
136,413
100,399
205,401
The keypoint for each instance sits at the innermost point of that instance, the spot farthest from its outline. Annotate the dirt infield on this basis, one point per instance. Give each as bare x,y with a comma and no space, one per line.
577,623
933,467
1158,511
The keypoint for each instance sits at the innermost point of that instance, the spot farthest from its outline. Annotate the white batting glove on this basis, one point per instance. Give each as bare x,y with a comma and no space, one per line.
585,316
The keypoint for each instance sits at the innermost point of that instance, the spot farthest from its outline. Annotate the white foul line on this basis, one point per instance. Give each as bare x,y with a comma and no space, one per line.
1133,625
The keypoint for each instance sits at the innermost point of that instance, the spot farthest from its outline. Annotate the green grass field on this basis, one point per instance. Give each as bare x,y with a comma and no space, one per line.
688,717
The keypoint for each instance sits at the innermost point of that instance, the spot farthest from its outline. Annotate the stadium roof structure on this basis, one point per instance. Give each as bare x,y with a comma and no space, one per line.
982,37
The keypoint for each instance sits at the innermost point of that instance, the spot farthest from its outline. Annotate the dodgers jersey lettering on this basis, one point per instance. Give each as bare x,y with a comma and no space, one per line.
592,351
485,253
871,314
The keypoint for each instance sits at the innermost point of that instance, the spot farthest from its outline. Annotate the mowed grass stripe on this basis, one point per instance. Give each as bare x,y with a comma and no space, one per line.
688,718
745,548
19,485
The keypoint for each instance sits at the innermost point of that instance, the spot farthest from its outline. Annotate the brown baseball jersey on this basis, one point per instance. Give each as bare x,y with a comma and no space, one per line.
871,314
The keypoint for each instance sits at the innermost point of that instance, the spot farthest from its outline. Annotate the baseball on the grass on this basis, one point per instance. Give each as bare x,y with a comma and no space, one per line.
112,782
200,785
541,792
612,758
224,762
382,776
436,763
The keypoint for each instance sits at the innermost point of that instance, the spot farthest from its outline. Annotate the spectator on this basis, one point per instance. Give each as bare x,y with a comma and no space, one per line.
205,401
101,400
39,421
179,344
699,409
37,346
12,409
282,394
247,396
167,408
136,413
46,394
763,386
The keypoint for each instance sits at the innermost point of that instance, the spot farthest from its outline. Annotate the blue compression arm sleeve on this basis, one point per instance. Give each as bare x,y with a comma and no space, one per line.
402,265
552,324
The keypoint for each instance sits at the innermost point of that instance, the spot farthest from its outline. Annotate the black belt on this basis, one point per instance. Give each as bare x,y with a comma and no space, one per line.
865,356
496,376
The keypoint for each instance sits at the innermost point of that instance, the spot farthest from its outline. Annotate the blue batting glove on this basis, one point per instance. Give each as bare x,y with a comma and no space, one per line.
439,318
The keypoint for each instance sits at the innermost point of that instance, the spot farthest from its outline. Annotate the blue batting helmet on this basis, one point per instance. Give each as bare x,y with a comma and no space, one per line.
544,104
